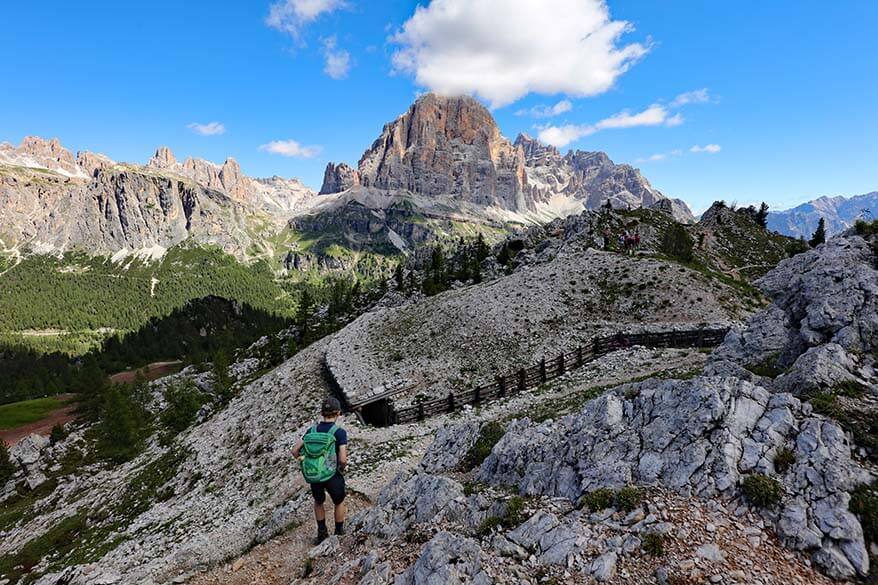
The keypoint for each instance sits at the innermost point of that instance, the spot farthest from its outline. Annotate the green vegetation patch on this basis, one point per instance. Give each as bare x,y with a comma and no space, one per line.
784,459
767,368
27,411
597,500
761,490
864,505
513,515
654,544
489,435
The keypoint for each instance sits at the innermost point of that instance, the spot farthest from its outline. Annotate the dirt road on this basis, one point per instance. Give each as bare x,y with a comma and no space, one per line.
44,426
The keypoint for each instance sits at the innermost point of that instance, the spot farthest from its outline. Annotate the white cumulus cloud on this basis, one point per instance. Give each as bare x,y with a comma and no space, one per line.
290,16
709,148
337,61
502,50
544,111
698,96
654,115
290,148
209,129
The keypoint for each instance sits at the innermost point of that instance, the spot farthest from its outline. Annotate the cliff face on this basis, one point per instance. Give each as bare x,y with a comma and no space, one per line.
592,178
451,147
445,147
53,201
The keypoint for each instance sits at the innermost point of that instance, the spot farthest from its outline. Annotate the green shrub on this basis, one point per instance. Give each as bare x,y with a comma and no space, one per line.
784,459
850,388
866,228
512,517
597,500
762,491
58,434
514,514
629,498
489,435
488,525
864,504
677,243
767,368
183,402
7,466
654,544
824,403
122,425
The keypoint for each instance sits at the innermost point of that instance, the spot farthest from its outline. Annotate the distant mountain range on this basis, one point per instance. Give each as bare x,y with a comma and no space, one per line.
442,164
840,213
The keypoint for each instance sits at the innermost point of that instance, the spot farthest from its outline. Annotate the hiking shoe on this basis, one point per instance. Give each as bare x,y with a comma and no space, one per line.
321,536
339,531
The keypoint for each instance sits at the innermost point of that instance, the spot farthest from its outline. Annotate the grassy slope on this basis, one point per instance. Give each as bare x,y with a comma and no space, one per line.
28,411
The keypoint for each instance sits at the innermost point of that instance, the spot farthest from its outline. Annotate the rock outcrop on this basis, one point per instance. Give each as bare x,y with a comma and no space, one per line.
339,177
700,437
823,319
592,178
447,147
54,202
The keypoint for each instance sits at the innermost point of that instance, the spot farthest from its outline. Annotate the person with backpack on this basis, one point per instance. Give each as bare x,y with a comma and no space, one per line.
323,454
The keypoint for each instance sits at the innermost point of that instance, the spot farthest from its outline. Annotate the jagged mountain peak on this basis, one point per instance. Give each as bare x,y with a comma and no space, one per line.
162,159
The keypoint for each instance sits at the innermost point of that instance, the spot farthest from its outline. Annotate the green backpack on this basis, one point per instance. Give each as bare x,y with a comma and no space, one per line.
319,461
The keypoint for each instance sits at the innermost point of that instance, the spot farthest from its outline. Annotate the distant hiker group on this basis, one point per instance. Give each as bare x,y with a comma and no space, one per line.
627,242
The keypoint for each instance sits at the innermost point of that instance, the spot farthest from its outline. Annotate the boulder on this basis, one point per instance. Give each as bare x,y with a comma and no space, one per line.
699,437
447,559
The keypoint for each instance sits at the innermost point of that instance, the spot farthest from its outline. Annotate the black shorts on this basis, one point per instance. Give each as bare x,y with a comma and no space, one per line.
335,487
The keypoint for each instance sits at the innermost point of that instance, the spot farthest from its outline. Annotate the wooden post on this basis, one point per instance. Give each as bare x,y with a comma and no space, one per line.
420,411
522,380
501,385
477,395
451,402
543,370
579,357
561,365
700,338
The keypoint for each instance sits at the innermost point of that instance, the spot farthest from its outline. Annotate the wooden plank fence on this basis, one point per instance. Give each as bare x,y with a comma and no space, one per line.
549,369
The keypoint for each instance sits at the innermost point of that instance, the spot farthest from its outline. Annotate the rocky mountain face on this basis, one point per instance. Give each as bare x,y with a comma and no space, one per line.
339,177
53,201
592,178
451,147
840,213
447,147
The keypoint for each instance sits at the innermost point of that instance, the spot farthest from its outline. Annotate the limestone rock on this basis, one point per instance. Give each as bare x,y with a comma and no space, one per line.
447,559
447,147
450,447
339,177
162,159
699,437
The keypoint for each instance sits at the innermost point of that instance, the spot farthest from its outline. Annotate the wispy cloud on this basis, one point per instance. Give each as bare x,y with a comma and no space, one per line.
660,156
545,111
290,16
503,50
209,129
337,62
290,148
654,115
698,96
708,148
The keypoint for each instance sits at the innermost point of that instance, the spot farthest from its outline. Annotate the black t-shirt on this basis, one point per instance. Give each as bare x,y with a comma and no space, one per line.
341,436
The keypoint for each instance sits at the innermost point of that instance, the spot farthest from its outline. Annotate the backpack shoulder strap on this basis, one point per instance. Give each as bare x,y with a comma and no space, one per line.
332,430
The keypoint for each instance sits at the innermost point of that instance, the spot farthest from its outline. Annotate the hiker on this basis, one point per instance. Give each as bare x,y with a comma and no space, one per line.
621,242
323,453
637,240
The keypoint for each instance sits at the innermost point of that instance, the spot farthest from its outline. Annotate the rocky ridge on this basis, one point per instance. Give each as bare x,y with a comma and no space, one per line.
840,213
54,201
451,148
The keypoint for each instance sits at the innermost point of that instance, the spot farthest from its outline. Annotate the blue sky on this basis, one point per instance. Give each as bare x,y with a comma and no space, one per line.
789,112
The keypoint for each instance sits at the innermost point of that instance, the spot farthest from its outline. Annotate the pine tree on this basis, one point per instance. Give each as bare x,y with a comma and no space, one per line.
7,466
222,381
819,236
762,215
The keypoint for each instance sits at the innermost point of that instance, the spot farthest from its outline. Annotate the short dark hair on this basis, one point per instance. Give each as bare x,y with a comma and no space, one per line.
330,405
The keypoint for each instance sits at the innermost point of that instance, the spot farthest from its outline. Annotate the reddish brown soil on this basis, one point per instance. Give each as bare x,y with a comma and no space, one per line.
151,371
44,426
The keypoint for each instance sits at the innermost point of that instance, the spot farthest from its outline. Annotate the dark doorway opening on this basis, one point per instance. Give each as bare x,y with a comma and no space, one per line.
378,413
